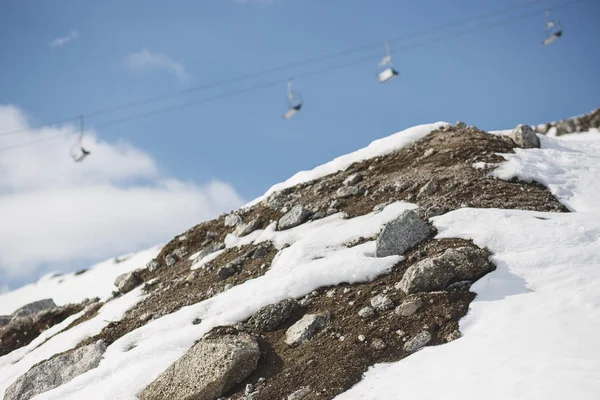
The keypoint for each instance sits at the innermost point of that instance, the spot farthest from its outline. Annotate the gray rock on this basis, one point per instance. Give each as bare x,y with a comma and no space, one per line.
366,312
381,302
524,136
300,393
459,286
56,371
181,252
408,307
435,210
452,336
460,125
34,308
170,259
378,344
401,234
196,321
209,369
305,329
428,189
278,199
270,317
127,282
353,179
296,216
318,215
152,265
346,191
230,269
565,126
4,320
463,263
192,276
245,229
232,220
417,342
428,153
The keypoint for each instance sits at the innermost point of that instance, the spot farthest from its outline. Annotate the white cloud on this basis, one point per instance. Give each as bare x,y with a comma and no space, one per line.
56,213
61,41
145,59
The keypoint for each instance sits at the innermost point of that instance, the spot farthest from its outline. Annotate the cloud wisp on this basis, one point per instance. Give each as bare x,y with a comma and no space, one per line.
61,41
56,213
146,60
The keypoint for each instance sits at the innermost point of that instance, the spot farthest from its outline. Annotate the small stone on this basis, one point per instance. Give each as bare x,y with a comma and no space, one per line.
378,344
428,153
232,220
145,317
127,282
366,312
332,211
346,191
417,342
227,287
248,389
300,393
379,207
245,229
399,235
525,137
342,338
460,125
305,329
229,270
296,216
270,317
452,336
346,290
319,215
330,293
428,189
353,179
408,307
361,338
382,302
181,252
170,260
193,275
152,265
196,321
400,333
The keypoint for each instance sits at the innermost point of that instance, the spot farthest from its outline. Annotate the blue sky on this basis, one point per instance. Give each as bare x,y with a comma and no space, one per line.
494,78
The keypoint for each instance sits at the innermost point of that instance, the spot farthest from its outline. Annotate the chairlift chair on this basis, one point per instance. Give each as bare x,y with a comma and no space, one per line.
386,72
553,29
78,152
294,102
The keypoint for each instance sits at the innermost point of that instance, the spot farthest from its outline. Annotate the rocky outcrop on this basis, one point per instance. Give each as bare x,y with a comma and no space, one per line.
207,370
56,371
127,282
305,329
399,235
524,136
436,273
34,308
270,317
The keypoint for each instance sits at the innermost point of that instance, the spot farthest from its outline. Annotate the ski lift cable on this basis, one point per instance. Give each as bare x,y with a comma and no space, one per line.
299,76
279,68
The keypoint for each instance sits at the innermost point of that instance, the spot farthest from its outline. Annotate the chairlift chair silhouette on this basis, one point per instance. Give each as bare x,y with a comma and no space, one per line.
294,102
78,152
386,72
553,29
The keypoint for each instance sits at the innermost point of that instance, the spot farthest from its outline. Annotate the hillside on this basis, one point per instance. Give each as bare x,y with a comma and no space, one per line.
441,254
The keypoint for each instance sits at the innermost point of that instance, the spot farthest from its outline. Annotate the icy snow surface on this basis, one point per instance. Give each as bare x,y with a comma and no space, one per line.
317,256
532,331
98,281
378,147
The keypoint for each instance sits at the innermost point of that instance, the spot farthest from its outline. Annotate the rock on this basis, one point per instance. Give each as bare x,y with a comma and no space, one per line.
300,393
152,265
305,329
428,153
180,252
428,189
417,342
452,336
208,250
296,216
34,308
463,263
270,317
232,220
564,127
127,282
366,312
346,191
278,199
4,320
192,276
145,317
524,136
381,302
408,307
318,215
435,210
378,344
209,369
230,269
460,125
196,321
459,286
353,179
544,128
170,259
401,234
56,371
245,229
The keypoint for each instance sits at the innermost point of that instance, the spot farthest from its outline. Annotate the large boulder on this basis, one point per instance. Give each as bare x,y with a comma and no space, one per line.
207,370
460,264
34,308
270,317
56,371
524,136
399,235
127,282
296,216
305,329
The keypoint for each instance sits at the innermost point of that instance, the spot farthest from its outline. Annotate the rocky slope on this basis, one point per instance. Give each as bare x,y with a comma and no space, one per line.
309,344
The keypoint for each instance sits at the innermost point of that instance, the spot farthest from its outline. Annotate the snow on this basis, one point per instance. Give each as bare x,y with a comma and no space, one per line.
206,259
317,256
68,288
532,331
21,360
378,147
